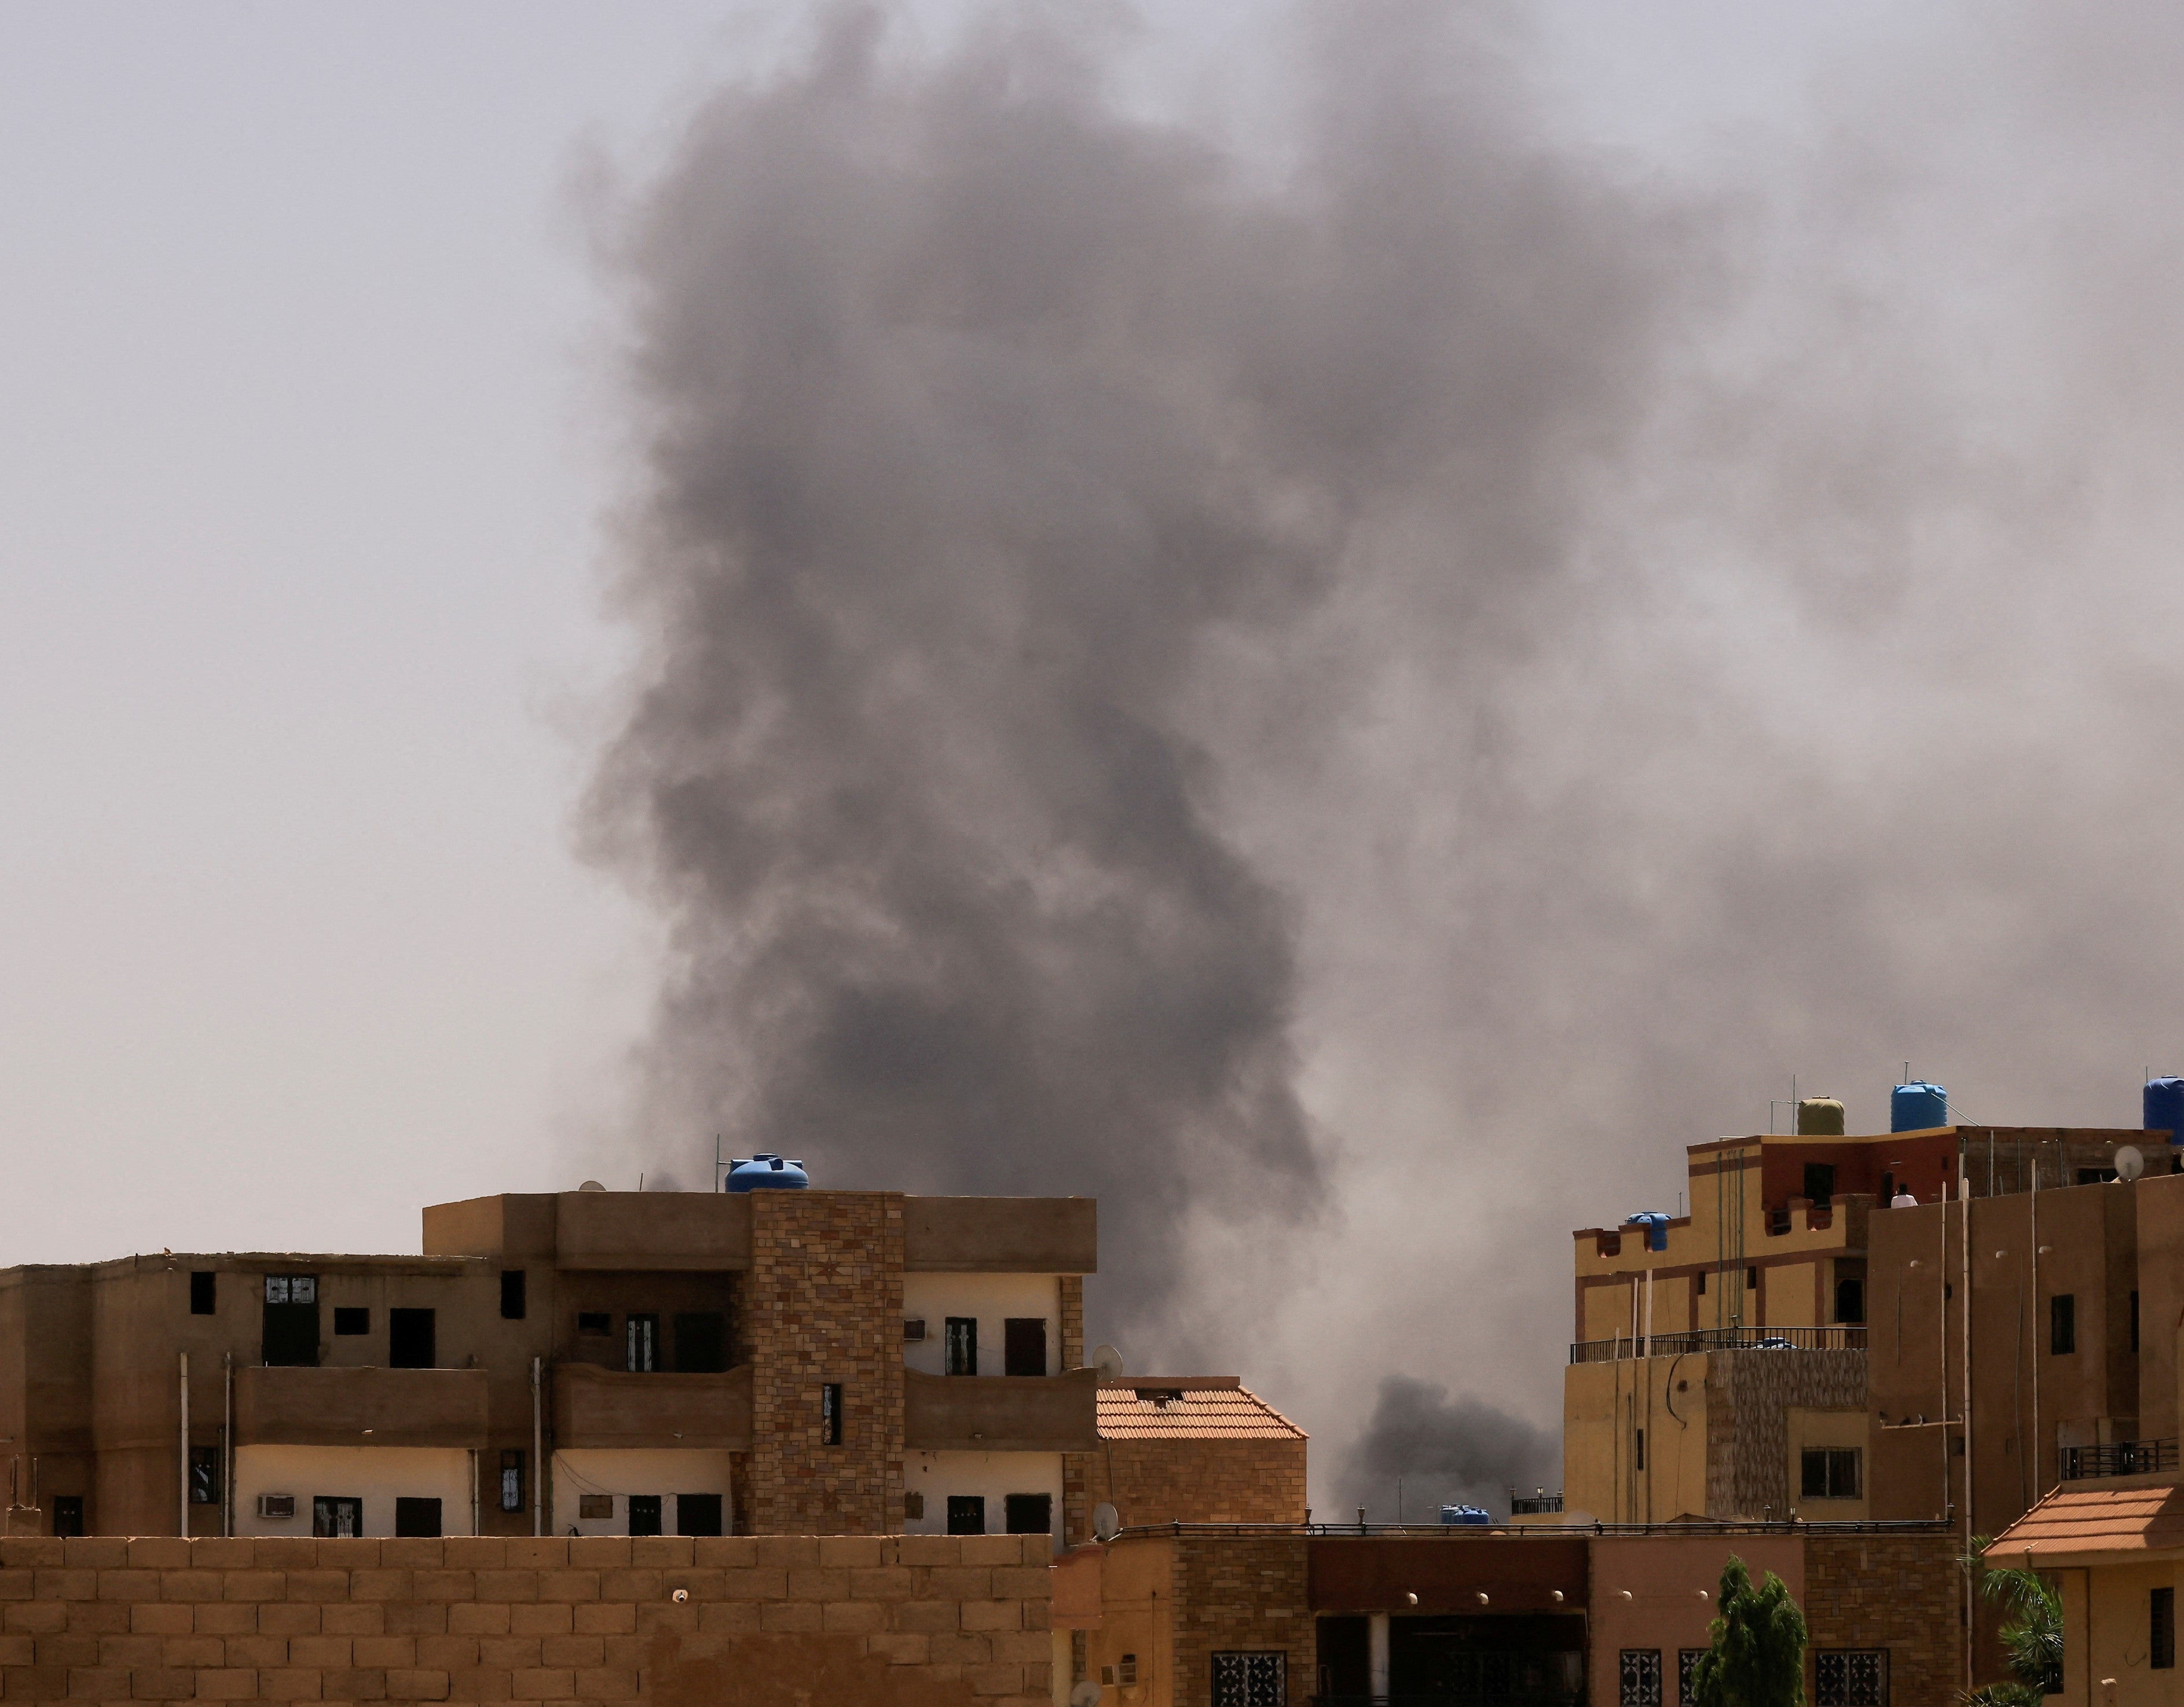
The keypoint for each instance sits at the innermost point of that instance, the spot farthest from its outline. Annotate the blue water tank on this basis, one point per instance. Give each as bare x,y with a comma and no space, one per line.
2165,1107
1656,1223
1466,1514
767,1173
1915,1107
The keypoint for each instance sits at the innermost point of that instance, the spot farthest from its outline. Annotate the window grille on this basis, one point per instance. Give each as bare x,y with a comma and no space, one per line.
1850,1677
1250,1680
1640,1677
1687,1660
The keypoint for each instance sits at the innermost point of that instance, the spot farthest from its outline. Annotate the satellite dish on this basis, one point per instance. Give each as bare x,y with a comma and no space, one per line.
1085,1694
2131,1162
1108,1361
1106,1522
591,1185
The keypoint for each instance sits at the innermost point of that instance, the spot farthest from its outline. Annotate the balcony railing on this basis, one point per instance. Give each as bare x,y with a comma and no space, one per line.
2118,1458
1841,1338
296,1405
608,1408
1539,1506
1029,1413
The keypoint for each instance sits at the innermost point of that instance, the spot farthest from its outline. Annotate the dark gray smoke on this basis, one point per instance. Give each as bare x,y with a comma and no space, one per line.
997,445
1426,1450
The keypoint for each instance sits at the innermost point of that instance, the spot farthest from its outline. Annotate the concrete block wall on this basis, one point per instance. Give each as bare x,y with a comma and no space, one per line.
894,1621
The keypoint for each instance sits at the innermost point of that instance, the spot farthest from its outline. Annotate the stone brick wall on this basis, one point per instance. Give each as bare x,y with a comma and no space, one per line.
1156,1481
825,1306
1073,1321
892,1621
1903,1592
1248,1593
1749,1395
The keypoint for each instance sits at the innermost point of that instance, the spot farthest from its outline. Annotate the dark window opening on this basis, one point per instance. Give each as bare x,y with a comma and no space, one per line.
1702,1282
1829,1472
512,1298
1850,1299
966,1514
960,1353
291,1323
697,1514
1752,1278
596,1321
595,1508
2133,1321
1638,1460
913,1504
335,1519
1024,1345
1887,1190
205,1293
1250,1680
701,1341
830,1414
351,1319
204,1475
645,1513
913,1327
1819,1182
417,1517
642,1337
411,1339
2063,1324
68,1514
511,1482
1027,1514
2161,1636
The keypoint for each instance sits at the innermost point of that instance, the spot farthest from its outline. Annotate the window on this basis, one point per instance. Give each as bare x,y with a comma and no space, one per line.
1638,1450
351,1319
595,1508
594,1321
411,1339
961,1354
511,1482
913,1504
68,1514
697,1514
1850,1677
204,1475
1687,1660
643,1337
1702,1283
418,1517
2063,1324
205,1293
701,1341
2161,1631
1850,1298
913,1327
1024,1345
1027,1514
2133,1321
645,1513
1829,1472
1752,1278
966,1514
512,1291
1250,1680
830,1414
333,1519
1820,1181
291,1325
1638,1675
1126,1672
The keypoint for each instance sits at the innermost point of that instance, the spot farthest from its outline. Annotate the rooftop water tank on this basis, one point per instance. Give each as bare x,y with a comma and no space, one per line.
1819,1117
766,1173
1466,1514
1915,1107
2164,1106
1656,1223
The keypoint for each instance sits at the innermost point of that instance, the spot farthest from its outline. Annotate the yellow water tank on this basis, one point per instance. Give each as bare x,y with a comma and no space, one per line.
1819,1117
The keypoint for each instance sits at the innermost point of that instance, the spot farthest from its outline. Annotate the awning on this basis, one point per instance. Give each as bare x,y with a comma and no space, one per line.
2092,1525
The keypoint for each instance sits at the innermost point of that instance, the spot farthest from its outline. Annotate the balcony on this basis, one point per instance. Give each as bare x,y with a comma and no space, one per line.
2117,1458
1034,1235
359,1407
1538,1506
1836,1339
1001,1413
595,1407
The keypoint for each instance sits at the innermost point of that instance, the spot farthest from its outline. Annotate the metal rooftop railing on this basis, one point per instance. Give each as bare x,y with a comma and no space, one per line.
1840,1337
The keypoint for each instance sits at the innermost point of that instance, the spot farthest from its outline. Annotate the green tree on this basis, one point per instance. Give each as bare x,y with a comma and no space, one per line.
1757,1659
2031,1635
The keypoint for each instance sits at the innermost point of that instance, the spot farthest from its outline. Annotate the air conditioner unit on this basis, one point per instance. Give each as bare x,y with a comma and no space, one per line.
276,1505
913,1327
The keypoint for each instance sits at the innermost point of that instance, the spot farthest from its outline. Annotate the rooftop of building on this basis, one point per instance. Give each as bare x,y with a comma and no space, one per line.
1187,1408
2145,1519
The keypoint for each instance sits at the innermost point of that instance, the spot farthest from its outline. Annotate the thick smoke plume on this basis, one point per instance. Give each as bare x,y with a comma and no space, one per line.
1421,1450
992,435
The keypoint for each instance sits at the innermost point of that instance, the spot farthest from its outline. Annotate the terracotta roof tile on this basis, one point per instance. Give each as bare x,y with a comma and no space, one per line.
2095,1519
1214,1413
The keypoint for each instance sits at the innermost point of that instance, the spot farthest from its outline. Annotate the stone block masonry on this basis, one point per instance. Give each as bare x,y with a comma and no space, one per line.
766,1622
1903,1592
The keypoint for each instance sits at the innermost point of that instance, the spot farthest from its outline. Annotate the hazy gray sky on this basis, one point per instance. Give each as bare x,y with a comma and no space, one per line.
1840,731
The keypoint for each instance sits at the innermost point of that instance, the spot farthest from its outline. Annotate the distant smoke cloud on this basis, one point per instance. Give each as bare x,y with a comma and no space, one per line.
996,442
1442,1452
